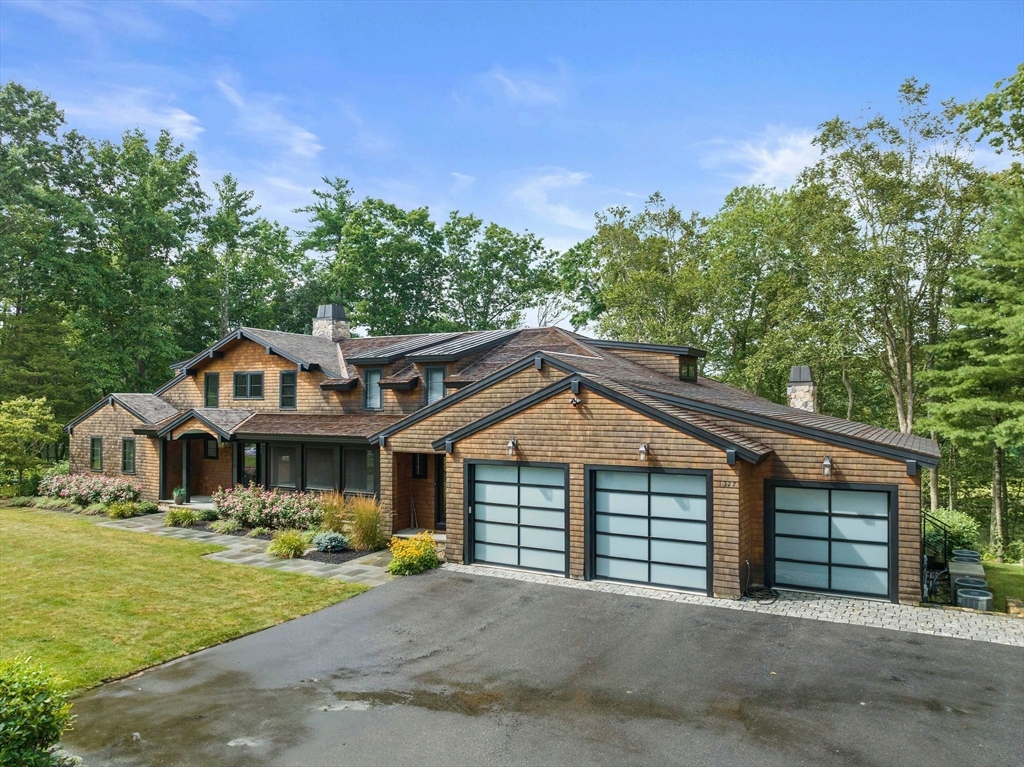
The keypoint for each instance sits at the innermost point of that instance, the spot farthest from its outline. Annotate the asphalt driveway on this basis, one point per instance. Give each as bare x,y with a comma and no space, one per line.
451,669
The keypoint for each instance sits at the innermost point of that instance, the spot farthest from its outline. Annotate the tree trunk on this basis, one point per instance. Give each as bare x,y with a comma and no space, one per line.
950,464
849,395
933,482
995,530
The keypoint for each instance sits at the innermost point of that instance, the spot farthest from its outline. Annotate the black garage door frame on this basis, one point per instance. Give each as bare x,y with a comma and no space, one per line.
590,519
894,528
469,531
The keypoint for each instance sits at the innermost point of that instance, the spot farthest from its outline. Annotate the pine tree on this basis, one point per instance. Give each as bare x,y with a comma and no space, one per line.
978,384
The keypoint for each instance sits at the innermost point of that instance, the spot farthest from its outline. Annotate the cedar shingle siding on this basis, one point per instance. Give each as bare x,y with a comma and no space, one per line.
628,395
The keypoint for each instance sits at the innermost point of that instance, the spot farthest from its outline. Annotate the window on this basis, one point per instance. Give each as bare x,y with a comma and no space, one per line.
96,453
687,368
248,385
371,385
360,471
287,389
211,389
284,467
419,466
435,384
321,471
210,449
128,455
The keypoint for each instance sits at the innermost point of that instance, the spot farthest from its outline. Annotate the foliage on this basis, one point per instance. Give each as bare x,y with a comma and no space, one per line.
999,117
179,492
366,523
27,426
288,544
85,489
330,542
207,515
334,518
963,529
225,526
413,555
256,532
34,711
127,585
147,507
94,508
181,517
253,506
122,510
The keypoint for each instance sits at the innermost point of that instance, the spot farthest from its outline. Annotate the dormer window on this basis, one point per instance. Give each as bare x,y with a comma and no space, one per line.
371,387
435,383
688,369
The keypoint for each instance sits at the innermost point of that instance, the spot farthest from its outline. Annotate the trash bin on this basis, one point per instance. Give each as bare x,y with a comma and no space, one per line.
975,599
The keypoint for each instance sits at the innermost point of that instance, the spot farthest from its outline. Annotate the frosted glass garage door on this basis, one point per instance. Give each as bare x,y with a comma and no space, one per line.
651,528
519,515
832,540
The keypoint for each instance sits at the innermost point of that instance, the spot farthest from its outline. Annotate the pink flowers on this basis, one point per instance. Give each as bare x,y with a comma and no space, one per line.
84,489
253,506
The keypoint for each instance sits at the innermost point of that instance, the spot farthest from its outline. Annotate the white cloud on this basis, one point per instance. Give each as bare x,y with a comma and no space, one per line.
527,90
535,194
135,107
259,117
462,181
774,158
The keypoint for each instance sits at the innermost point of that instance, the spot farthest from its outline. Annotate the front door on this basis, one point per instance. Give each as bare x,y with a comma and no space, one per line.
518,515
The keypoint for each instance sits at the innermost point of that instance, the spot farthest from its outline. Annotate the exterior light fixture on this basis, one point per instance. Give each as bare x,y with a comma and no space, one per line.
574,401
512,446
643,452
826,466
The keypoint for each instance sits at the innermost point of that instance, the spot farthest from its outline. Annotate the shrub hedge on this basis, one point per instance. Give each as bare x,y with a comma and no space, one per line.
413,555
34,711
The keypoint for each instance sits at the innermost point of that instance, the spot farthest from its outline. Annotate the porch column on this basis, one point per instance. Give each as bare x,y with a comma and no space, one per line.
186,455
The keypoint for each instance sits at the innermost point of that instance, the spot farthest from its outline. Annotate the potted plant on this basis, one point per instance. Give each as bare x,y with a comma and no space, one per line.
179,495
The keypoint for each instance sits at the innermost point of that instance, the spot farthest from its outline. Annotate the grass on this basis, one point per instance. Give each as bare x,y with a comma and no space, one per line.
97,603
1004,581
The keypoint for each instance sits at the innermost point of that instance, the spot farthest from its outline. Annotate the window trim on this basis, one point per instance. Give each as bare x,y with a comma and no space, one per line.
299,458
426,383
375,473
248,384
366,389
207,379
124,443
420,471
206,449
336,463
92,463
295,390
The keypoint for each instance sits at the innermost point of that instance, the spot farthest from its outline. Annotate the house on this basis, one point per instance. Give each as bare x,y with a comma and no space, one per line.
538,449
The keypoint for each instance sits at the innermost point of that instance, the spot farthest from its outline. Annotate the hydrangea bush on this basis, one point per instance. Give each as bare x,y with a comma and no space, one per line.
85,489
254,506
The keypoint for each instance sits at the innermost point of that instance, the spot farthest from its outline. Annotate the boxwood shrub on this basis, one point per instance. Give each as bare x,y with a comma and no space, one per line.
34,711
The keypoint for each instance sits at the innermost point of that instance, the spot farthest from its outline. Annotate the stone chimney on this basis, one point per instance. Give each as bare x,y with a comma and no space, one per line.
801,392
331,322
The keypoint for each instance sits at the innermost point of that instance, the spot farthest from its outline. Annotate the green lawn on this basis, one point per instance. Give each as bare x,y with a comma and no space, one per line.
1004,581
97,603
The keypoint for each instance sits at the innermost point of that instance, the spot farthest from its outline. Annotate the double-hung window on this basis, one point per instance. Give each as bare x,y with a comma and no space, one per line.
435,383
287,390
211,389
96,453
248,385
360,470
210,449
128,455
371,386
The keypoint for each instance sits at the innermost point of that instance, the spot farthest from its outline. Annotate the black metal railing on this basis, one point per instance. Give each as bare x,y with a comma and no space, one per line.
937,544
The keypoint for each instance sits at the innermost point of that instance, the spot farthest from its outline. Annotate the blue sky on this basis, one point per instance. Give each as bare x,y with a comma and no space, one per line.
531,115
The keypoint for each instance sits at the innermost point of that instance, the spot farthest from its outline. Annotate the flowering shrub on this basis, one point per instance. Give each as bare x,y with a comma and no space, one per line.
253,506
413,555
85,489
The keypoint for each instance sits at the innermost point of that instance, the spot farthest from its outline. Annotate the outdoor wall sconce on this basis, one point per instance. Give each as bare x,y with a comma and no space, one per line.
643,452
574,401
826,466
512,446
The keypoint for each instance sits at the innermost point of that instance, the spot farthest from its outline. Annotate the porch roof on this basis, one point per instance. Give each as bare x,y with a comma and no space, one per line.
320,426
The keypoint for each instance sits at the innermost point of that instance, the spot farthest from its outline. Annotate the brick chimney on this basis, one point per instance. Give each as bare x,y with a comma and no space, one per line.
331,322
801,392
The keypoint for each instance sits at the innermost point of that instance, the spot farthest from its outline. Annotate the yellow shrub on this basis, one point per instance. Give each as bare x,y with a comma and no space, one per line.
413,555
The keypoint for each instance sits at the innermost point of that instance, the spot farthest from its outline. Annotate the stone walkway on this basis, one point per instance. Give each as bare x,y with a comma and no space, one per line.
979,627
370,570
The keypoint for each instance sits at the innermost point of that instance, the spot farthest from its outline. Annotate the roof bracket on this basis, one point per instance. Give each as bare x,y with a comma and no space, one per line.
575,386
449,446
730,457
538,362
911,468
382,440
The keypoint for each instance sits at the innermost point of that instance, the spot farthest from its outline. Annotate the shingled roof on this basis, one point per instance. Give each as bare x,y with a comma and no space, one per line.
148,408
303,425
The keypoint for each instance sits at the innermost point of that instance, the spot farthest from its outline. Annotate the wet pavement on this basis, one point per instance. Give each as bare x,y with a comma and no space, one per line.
451,668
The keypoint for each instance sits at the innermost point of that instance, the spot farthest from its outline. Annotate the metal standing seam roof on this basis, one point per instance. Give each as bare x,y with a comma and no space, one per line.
467,343
395,351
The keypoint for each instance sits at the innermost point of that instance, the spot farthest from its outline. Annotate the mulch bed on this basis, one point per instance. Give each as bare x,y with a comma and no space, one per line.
334,559
205,527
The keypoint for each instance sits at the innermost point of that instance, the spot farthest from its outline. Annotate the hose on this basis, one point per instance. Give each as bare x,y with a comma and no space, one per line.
761,593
